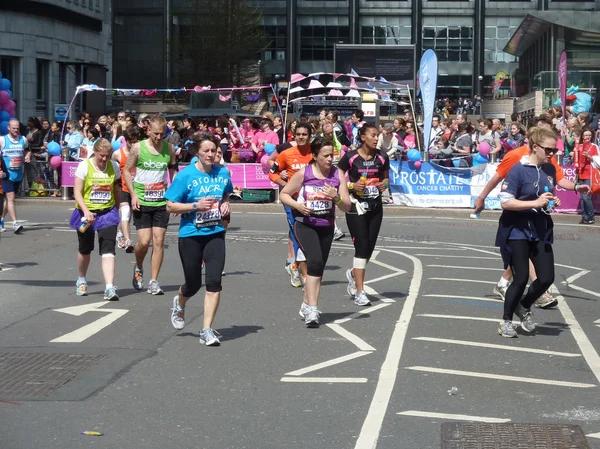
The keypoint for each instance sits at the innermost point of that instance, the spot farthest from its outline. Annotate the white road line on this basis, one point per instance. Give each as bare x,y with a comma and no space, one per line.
435,248
463,280
584,290
494,346
352,338
449,416
466,268
584,343
475,298
593,435
371,291
568,266
476,318
361,312
326,380
460,256
386,276
371,428
385,265
575,277
327,363
531,380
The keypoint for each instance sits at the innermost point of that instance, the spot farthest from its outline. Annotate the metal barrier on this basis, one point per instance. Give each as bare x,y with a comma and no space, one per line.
40,179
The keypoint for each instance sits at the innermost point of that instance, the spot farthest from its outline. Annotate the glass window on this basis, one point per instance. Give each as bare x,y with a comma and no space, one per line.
453,55
319,31
490,32
280,55
503,32
454,32
441,32
466,31
42,72
428,32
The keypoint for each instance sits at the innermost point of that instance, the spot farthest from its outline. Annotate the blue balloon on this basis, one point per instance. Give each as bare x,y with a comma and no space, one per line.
4,116
270,149
54,149
413,155
116,145
480,158
5,84
4,128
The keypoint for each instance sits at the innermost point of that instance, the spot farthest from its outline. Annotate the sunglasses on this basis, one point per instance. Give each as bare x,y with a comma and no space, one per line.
550,151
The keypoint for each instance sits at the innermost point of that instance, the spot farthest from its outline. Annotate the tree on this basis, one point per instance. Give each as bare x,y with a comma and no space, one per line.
221,42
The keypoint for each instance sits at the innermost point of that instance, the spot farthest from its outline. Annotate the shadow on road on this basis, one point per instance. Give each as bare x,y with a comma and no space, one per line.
230,333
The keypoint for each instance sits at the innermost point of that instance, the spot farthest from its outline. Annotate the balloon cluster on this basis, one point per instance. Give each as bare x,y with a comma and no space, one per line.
414,157
483,156
7,105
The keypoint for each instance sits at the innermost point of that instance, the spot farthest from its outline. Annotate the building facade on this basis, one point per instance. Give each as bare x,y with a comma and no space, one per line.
469,36
48,47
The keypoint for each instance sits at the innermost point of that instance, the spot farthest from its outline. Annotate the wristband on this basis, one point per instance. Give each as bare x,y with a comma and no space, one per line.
339,200
386,184
350,186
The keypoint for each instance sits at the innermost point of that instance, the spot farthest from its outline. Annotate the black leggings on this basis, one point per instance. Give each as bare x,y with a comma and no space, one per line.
364,230
542,257
106,240
315,243
192,251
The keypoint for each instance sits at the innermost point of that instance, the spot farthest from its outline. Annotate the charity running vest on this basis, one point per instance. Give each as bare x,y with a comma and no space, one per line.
122,168
151,175
98,187
13,154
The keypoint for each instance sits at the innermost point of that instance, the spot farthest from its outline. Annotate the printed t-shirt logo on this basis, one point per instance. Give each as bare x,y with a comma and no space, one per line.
156,165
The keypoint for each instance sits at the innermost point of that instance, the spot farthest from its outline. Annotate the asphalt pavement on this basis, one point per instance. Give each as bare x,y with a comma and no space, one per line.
387,376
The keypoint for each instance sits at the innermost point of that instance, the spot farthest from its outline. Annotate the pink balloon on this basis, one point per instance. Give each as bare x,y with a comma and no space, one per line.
4,97
484,149
418,164
10,105
55,161
263,162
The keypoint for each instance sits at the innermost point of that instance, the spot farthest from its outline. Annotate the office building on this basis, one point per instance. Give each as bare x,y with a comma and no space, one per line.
469,37
48,47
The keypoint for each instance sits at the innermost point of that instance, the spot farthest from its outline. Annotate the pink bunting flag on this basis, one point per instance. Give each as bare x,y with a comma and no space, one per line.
353,84
224,97
314,84
297,77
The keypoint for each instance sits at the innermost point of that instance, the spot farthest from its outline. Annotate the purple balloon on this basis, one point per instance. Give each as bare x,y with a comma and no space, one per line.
4,97
10,106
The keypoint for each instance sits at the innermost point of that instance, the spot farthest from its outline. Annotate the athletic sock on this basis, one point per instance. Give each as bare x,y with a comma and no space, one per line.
289,261
109,286
81,280
502,283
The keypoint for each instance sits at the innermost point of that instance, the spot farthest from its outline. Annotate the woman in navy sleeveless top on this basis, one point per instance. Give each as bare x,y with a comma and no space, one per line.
313,193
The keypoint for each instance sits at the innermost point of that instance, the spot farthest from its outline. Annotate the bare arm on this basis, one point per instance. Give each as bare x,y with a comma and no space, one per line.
131,163
78,195
346,204
491,185
173,170
517,205
290,188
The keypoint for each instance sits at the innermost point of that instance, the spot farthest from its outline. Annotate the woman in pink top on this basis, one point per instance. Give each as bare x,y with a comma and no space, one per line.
264,136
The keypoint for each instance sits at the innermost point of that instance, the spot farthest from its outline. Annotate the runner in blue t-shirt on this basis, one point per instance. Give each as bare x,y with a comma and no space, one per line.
200,193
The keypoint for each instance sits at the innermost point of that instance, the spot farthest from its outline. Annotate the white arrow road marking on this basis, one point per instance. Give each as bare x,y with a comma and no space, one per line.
575,277
593,435
352,338
597,323
85,332
326,380
318,366
420,414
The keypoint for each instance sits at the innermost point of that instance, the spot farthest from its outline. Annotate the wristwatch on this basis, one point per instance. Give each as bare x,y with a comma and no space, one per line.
194,207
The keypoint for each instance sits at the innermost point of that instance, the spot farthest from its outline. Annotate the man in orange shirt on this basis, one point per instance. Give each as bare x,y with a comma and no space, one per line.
511,158
291,160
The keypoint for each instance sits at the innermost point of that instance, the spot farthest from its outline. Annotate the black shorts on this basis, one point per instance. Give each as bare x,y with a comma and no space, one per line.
106,240
151,217
126,197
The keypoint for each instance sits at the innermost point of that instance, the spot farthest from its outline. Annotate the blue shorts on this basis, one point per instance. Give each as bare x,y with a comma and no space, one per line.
291,220
11,186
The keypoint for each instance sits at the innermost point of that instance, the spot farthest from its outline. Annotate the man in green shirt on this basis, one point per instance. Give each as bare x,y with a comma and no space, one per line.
152,161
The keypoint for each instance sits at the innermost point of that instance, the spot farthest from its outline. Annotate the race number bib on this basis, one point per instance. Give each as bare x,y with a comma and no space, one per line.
211,217
154,192
15,163
318,202
371,191
101,194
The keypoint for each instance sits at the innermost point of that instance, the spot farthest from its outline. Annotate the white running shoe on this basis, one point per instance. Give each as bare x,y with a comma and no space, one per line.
209,337
154,288
526,319
296,277
177,314
506,329
351,288
338,234
110,294
311,320
17,227
546,301
500,291
303,310
361,299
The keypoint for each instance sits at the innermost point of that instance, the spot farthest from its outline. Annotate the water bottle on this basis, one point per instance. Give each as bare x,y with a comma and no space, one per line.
363,178
550,204
85,224
475,216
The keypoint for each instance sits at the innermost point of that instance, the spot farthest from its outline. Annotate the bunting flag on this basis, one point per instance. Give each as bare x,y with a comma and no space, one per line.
335,93
314,84
225,97
562,82
353,84
334,85
297,77
353,93
353,73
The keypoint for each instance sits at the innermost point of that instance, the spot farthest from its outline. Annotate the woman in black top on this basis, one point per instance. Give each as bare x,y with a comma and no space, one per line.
368,171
